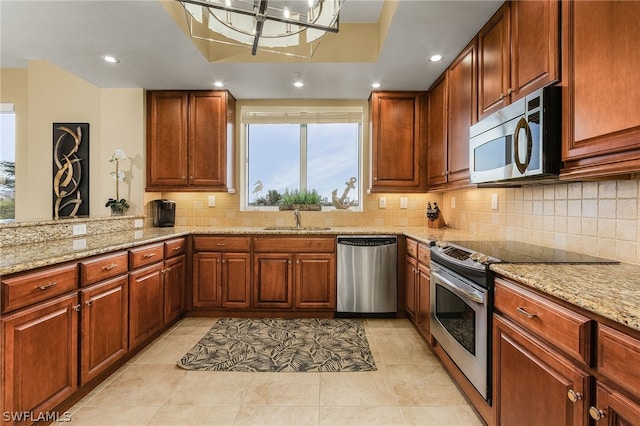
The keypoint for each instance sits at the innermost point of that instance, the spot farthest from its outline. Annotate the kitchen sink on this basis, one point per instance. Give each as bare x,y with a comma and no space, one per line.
293,228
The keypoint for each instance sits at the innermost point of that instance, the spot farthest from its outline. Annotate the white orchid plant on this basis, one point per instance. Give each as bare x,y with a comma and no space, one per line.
117,204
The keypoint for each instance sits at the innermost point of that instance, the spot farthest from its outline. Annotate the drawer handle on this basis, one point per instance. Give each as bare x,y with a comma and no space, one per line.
574,396
596,414
48,286
221,244
110,267
176,248
148,255
524,312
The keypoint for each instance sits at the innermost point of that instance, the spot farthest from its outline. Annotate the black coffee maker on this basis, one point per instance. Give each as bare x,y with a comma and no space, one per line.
164,213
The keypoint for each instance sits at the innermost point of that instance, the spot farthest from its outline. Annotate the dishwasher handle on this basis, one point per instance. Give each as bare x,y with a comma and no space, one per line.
367,241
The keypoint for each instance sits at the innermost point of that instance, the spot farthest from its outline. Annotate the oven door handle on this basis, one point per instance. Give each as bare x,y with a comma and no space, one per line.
468,294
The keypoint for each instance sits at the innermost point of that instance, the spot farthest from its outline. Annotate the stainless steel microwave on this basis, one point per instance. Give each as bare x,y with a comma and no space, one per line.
521,141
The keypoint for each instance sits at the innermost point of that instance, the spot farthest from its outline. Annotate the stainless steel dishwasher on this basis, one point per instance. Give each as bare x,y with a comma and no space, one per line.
367,275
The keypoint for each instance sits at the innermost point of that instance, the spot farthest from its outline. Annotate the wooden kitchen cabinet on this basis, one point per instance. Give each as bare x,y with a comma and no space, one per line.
601,89
452,109
104,326
190,139
273,280
398,135
222,272
174,287
40,356
531,380
423,284
315,281
518,52
411,278
614,409
146,303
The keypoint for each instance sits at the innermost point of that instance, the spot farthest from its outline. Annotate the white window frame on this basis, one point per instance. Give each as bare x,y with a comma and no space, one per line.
293,114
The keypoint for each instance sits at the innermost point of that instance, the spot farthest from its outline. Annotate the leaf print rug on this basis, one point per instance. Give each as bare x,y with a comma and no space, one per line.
282,345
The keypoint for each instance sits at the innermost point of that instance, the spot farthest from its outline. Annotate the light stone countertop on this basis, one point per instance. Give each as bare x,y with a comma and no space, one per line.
611,291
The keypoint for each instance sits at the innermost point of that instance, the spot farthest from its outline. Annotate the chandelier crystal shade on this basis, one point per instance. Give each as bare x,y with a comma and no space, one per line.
269,25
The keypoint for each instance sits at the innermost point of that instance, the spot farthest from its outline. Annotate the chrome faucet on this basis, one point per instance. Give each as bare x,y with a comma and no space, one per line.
296,214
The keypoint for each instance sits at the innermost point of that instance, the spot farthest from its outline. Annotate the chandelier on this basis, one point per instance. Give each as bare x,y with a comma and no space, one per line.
268,25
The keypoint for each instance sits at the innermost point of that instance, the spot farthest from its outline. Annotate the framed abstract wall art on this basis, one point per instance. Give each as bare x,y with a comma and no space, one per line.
70,169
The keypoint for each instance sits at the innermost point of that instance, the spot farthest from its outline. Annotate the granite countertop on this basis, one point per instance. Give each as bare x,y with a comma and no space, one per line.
610,290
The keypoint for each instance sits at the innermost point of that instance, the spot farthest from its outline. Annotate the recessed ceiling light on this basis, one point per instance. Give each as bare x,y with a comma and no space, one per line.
375,85
110,59
435,58
218,84
298,84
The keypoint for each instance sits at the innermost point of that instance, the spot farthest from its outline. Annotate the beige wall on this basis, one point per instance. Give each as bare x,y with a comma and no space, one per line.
598,218
116,120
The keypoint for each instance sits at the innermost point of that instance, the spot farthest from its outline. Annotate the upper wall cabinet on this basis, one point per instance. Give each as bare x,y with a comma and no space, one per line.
398,154
190,140
518,52
601,96
452,109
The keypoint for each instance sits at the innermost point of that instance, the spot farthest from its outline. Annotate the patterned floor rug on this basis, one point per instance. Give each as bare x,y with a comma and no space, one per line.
283,345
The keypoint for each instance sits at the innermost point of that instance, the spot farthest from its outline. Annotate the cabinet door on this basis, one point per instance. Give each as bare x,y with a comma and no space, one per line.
40,356
207,138
273,280
614,409
535,45
236,280
424,299
437,133
146,307
174,282
411,287
207,274
463,113
104,326
493,69
600,103
396,151
530,378
315,286
166,138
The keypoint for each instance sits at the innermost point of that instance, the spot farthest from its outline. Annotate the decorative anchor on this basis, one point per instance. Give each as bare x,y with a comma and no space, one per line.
341,203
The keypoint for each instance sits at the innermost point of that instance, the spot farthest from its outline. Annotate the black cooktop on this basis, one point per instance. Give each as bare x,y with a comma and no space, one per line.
517,252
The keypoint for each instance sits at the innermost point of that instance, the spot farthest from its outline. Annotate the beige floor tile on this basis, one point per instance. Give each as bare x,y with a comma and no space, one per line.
109,415
458,415
356,389
401,347
210,388
284,389
194,415
361,416
140,385
425,394
280,416
169,350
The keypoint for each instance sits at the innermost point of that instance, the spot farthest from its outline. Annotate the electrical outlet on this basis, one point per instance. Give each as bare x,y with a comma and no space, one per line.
403,202
80,229
212,200
80,244
453,202
382,202
494,201
138,223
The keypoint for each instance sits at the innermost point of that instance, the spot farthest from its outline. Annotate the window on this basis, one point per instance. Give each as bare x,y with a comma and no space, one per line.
7,162
294,148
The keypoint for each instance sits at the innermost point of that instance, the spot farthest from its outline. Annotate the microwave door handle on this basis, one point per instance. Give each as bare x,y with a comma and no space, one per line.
471,295
522,125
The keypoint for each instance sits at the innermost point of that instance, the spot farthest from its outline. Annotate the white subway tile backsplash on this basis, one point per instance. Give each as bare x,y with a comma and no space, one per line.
627,189
627,209
574,191
607,189
607,209
590,208
589,190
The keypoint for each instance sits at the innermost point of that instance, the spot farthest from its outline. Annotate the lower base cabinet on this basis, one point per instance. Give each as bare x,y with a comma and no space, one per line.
614,409
40,365
533,382
174,287
104,326
146,307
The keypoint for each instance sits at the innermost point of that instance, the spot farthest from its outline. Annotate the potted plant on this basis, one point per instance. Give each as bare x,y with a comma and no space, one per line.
118,205
300,200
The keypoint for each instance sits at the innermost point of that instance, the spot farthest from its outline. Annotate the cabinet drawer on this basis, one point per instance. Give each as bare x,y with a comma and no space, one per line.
237,244
424,254
24,289
100,268
294,245
559,326
412,248
175,247
619,358
146,255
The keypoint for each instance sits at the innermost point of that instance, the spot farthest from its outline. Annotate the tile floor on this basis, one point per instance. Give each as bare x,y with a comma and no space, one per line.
409,388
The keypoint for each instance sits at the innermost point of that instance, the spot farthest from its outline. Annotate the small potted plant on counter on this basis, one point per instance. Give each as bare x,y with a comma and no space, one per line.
300,200
118,205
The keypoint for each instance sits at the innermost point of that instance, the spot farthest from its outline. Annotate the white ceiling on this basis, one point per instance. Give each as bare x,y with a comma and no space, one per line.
155,53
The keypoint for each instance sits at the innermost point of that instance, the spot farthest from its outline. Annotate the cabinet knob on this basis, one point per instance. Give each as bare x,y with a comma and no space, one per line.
289,262
88,303
77,308
510,91
184,177
502,96
224,260
375,178
574,396
190,177
596,414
